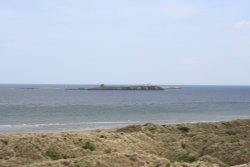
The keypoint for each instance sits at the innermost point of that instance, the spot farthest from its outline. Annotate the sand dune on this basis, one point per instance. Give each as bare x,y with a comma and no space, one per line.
149,145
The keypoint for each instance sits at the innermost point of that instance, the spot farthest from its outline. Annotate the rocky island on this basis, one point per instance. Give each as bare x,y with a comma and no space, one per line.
136,87
130,87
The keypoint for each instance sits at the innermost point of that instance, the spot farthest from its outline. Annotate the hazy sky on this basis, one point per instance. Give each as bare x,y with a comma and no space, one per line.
125,42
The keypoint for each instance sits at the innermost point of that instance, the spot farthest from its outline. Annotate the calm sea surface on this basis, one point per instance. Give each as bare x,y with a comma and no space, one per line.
52,108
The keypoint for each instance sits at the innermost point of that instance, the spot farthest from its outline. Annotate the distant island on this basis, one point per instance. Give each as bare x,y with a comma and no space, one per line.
132,87
146,87
136,87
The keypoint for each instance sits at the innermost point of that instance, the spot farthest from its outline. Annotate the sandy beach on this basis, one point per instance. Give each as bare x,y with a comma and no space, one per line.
149,145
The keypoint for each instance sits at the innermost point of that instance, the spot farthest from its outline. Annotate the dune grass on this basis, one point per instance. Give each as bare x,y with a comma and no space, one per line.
200,144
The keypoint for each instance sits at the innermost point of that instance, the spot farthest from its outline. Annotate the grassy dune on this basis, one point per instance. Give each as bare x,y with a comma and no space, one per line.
200,144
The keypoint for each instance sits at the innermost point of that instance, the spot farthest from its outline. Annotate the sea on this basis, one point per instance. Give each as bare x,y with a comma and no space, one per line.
57,108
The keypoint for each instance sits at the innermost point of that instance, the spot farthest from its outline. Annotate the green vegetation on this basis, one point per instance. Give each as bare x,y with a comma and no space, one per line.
229,132
108,151
183,129
130,129
56,155
5,142
152,129
89,146
103,136
183,145
188,158
53,154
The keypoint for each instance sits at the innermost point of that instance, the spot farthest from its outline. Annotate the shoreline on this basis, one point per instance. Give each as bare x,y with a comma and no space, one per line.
225,143
105,126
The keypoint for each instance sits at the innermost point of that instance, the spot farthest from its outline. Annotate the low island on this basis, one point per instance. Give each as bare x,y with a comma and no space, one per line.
147,87
218,144
136,87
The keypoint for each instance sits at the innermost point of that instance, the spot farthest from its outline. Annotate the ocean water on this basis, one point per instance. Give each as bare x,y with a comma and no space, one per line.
50,108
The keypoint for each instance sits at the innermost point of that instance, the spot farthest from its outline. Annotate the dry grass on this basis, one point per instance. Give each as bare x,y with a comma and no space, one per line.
149,145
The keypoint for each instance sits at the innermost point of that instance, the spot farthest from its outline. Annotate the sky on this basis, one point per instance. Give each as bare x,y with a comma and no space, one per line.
188,42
